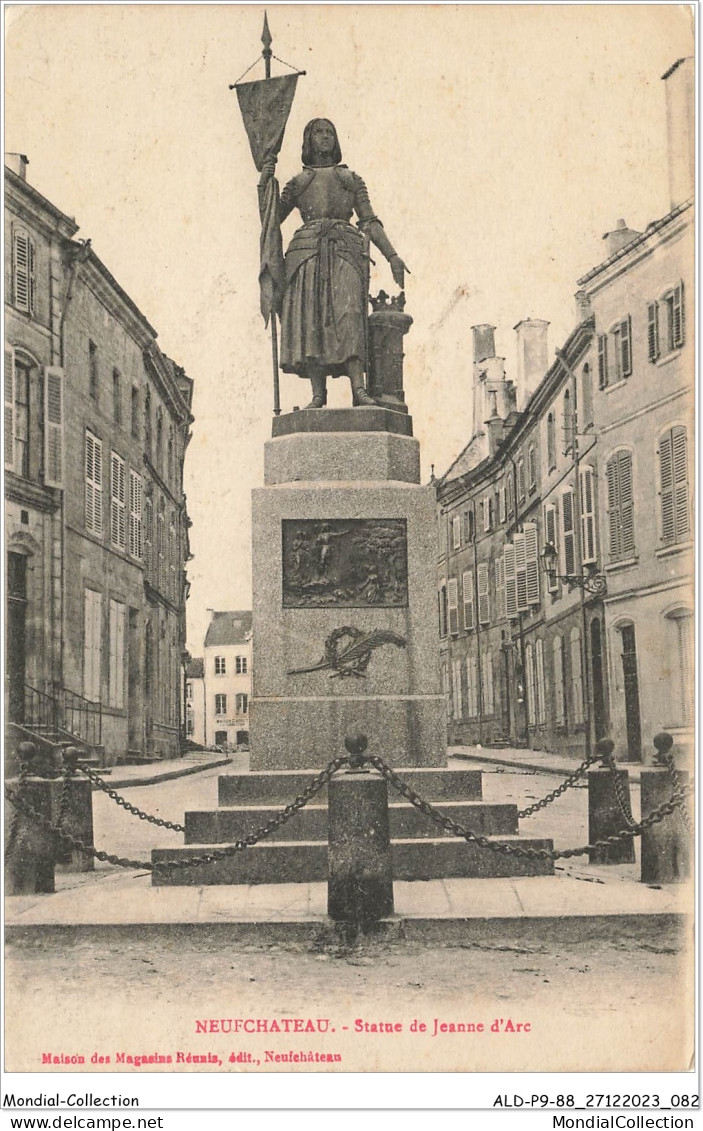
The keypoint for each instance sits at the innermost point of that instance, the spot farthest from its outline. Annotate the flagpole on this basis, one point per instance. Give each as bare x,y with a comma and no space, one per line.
274,355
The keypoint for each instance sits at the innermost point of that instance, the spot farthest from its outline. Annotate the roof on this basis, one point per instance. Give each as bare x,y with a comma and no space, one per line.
195,668
229,628
637,241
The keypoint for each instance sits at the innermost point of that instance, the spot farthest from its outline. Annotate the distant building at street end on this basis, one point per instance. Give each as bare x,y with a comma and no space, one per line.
97,422
195,700
227,679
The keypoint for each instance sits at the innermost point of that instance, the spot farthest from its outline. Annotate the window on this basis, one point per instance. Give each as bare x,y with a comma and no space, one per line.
135,515
567,529
526,567
568,423
530,684
92,644
532,468
551,537
620,506
93,484
683,676
190,721
521,480
576,676
117,502
673,306
169,459
510,574
559,698
161,548
220,704
588,518
240,665
147,422
241,704
453,605
134,412
93,370
487,513
21,418
586,398
116,396
116,672
510,493
23,270
615,353
220,665
456,532
53,427
484,608
673,478
487,683
159,441
457,700
500,587
172,572
467,586
471,687
551,442
189,690
541,700
149,539
468,526
442,600
502,507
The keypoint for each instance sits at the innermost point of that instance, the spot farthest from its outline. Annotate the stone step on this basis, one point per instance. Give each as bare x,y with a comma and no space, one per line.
216,826
279,787
286,862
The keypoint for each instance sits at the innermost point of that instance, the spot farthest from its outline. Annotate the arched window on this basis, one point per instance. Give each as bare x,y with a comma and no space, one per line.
683,670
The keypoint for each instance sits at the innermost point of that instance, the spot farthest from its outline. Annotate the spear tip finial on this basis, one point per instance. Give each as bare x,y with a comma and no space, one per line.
266,37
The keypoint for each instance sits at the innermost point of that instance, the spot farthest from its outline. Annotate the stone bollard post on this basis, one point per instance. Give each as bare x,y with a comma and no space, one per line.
605,816
360,879
666,846
77,818
30,851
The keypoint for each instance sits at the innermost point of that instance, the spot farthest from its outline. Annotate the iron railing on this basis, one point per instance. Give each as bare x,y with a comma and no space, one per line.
67,711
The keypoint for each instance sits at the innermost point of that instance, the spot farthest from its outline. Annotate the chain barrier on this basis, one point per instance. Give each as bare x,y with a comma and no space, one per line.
15,824
676,782
125,804
621,798
317,783
566,784
664,810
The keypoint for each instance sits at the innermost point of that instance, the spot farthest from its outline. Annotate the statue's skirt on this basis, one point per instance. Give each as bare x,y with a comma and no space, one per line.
323,318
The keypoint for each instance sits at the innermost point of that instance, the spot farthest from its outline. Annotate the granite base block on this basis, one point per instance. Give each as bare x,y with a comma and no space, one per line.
279,787
218,826
343,456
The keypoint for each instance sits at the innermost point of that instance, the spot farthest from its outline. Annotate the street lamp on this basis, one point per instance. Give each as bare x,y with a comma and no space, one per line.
593,582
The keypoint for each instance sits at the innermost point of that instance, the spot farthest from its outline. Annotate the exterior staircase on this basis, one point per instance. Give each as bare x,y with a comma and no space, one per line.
53,722
420,851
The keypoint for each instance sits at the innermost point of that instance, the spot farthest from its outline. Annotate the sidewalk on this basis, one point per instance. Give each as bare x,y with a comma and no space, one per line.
152,773
537,761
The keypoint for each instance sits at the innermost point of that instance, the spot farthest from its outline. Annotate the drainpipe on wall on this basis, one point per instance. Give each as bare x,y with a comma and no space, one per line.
521,635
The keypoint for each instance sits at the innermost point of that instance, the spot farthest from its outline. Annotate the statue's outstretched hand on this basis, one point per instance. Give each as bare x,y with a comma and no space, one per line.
267,171
398,270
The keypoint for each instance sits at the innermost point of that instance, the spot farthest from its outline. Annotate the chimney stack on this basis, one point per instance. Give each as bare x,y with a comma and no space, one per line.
680,130
619,237
494,424
583,307
531,357
484,342
18,163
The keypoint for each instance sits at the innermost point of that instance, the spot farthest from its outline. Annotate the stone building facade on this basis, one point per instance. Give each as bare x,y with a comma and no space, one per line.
97,421
227,679
516,642
642,300
195,700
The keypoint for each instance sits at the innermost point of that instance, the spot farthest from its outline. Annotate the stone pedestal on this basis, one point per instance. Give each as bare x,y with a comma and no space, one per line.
360,878
344,602
31,853
605,817
667,846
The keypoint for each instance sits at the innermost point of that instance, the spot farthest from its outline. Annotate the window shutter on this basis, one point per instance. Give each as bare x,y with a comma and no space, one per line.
558,654
666,468
23,269
680,464
614,515
117,502
456,532
9,382
521,480
626,347
653,331
510,494
443,608
453,605
92,624
540,707
135,515
530,684
500,587
588,528
510,574
484,609
567,522
686,642
627,517
53,427
602,361
576,676
678,317
521,572
456,688
488,703
531,564
117,628
501,505
486,513
93,484
467,585
532,468
550,534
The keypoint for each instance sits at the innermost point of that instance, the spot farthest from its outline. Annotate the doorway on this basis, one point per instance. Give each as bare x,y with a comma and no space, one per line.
633,724
600,722
16,654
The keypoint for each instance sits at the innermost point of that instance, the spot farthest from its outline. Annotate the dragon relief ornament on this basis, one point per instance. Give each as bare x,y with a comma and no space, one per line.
348,651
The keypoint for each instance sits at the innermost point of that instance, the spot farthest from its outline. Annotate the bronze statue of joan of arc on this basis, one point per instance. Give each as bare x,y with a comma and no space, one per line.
323,316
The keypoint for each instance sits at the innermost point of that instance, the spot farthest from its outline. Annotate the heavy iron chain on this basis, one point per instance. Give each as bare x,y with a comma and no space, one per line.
664,810
317,783
620,797
676,782
122,801
566,784
15,825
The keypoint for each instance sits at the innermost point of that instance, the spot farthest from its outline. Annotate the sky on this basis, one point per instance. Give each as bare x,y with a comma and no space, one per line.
498,143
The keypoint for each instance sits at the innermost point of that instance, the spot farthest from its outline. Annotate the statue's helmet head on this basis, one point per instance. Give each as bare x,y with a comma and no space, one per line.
320,140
